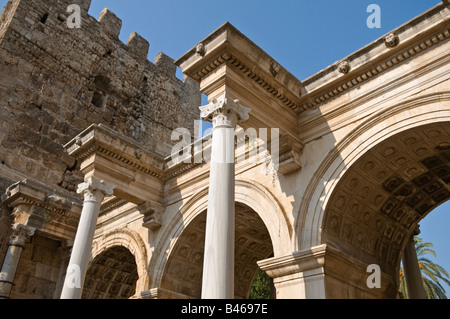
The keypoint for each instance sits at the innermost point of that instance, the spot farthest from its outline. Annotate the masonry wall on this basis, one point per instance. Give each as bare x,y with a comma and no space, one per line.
56,81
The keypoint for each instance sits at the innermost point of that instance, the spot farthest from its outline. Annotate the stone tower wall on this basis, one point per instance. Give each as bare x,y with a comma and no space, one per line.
56,81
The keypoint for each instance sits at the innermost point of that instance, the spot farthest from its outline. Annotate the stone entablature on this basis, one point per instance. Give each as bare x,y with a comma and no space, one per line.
50,212
324,216
406,41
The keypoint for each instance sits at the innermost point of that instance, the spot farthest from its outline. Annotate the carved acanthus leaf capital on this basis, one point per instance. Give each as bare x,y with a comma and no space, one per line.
20,234
224,111
95,189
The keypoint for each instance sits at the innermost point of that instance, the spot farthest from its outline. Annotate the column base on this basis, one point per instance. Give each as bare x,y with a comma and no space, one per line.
323,272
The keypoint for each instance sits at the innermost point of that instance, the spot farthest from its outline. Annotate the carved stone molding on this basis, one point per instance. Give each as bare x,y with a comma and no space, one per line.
153,215
319,98
224,111
48,211
290,155
344,67
391,40
95,189
20,234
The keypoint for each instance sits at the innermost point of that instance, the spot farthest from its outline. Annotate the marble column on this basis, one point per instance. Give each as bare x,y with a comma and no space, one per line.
94,190
12,258
218,265
413,275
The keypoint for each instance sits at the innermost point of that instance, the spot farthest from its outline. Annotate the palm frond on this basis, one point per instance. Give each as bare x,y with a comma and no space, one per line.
432,273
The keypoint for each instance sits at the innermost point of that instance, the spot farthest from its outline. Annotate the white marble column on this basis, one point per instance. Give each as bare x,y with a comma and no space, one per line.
218,265
94,190
413,275
12,258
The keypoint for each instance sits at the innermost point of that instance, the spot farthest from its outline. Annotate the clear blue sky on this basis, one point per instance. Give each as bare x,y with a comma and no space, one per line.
303,36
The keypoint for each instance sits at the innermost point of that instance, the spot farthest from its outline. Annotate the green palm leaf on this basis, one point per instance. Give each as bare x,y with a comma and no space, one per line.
432,274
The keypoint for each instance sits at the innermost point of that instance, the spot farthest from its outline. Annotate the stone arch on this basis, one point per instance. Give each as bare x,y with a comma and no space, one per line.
112,274
250,198
133,242
366,203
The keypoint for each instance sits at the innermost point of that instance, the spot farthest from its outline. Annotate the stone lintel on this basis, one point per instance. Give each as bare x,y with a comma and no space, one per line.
397,46
137,173
228,62
53,213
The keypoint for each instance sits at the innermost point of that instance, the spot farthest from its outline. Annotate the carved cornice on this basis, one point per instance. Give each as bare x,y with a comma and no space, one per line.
38,206
316,99
262,81
87,144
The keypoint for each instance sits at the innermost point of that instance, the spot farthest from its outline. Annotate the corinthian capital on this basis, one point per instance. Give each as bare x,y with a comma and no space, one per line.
224,111
20,235
95,189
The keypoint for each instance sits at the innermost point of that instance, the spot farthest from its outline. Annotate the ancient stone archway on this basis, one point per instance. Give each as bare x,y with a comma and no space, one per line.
111,275
183,272
376,205
258,203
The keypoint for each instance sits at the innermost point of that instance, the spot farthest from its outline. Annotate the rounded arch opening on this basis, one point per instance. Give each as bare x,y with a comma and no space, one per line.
182,276
376,204
111,275
249,194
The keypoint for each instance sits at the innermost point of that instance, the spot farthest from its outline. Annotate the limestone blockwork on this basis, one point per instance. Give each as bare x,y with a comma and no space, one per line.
344,165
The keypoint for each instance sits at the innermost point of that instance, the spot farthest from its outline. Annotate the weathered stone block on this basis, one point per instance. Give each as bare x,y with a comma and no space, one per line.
111,24
138,45
165,63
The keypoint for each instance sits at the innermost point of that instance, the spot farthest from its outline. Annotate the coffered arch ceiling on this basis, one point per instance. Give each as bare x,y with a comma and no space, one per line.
381,197
184,269
111,275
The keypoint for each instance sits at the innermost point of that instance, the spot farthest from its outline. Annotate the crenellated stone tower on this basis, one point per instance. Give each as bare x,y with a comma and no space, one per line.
55,82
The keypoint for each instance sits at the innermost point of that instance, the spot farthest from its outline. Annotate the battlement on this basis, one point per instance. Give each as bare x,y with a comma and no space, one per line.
54,14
